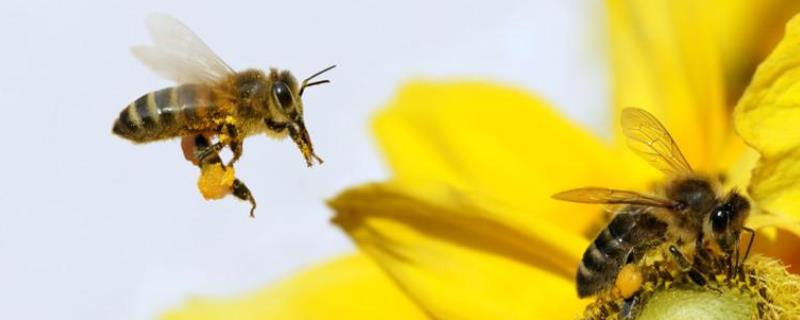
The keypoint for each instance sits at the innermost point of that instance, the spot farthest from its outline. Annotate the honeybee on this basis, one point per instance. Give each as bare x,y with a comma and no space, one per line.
211,99
688,216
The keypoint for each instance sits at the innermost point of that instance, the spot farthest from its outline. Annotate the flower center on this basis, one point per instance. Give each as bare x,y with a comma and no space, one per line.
761,289
696,303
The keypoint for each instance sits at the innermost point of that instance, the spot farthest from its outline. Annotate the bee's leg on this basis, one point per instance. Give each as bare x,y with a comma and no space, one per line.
235,143
680,259
214,149
685,266
191,145
747,251
229,136
209,151
630,309
204,152
702,253
239,189
733,259
242,192
703,257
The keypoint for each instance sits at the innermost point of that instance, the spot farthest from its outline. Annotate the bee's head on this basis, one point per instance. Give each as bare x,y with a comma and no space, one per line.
723,226
287,110
286,106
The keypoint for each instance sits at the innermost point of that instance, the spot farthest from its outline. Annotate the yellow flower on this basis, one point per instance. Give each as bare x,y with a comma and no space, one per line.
466,230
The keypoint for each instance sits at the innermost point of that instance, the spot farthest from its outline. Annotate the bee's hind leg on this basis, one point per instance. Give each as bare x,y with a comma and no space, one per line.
238,188
201,152
242,192
208,153
228,135
631,308
214,149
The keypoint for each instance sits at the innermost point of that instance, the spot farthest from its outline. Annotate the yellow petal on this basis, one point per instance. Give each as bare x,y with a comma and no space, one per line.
665,61
767,118
776,247
463,257
350,287
745,31
774,232
502,143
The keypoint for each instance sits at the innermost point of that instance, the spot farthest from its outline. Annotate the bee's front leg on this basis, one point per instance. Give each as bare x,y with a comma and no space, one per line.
687,267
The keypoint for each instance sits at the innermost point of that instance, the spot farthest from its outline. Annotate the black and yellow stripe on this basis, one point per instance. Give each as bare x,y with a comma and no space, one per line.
603,259
165,113
626,237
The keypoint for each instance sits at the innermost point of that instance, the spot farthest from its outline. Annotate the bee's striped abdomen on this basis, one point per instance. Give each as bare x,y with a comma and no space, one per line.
602,260
628,233
165,113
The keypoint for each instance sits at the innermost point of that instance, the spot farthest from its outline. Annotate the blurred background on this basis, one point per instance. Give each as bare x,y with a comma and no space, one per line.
93,227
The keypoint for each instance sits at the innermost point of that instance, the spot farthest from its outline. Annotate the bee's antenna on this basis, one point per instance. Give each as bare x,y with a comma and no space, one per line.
306,82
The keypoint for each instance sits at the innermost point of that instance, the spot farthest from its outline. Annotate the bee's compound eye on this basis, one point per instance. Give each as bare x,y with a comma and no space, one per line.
720,218
283,94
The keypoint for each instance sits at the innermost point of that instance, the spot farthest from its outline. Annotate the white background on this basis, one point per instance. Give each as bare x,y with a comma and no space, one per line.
93,227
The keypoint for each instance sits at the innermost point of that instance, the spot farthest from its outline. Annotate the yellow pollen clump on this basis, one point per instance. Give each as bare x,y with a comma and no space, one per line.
216,181
629,280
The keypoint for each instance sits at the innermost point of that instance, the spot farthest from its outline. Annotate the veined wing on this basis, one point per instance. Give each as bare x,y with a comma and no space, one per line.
651,141
178,54
611,196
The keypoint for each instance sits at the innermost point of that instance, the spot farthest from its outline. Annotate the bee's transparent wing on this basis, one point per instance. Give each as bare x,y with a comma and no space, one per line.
611,196
648,138
178,54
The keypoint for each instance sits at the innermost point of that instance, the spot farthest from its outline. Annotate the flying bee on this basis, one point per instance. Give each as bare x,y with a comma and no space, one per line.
688,216
212,98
